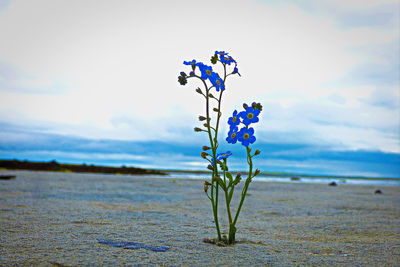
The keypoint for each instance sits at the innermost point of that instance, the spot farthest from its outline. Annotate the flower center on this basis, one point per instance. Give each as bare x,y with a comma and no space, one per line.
226,59
224,155
233,135
218,82
250,116
234,119
208,72
246,136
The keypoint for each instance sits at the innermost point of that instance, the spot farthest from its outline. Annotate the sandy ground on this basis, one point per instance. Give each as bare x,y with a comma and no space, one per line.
56,218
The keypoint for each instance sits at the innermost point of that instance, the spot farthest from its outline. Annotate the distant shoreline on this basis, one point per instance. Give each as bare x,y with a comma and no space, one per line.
290,175
61,167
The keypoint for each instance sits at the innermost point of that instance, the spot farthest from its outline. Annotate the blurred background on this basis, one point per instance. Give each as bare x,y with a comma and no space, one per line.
95,82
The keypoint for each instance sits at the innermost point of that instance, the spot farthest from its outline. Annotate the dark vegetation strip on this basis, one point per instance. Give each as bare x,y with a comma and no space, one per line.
59,167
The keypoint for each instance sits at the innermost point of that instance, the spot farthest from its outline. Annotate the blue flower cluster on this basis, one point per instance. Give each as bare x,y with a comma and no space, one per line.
226,59
207,72
246,134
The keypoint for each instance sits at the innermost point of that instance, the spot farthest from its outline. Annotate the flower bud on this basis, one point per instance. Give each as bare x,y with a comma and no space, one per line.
205,187
183,74
245,106
210,167
204,155
182,80
197,129
257,172
206,147
191,73
198,90
210,95
215,109
214,59
205,125
216,178
254,104
202,118
237,178
258,106
257,152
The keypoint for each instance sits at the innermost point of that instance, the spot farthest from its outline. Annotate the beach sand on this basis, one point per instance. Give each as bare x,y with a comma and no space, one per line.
56,218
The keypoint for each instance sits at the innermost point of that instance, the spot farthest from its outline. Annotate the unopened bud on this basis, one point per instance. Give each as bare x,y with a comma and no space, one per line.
257,152
197,129
210,95
216,178
198,90
205,125
245,106
205,187
202,118
215,109
204,155
206,147
254,104
210,167
237,178
183,74
191,73
257,172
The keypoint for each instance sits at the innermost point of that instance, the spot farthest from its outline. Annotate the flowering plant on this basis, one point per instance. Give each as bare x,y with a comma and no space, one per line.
221,178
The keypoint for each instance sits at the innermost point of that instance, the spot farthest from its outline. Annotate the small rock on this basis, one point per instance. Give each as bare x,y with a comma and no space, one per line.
295,179
378,191
333,184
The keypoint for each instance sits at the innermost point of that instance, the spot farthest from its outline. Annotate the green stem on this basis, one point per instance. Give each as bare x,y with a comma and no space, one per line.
228,209
214,201
246,186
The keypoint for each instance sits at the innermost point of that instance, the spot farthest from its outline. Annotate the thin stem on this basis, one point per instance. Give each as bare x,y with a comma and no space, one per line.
228,209
214,202
246,186
219,104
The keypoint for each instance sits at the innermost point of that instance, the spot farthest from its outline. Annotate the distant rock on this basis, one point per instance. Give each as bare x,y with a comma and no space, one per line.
378,191
332,184
295,179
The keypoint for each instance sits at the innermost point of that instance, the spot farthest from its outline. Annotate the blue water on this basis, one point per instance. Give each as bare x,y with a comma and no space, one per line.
318,180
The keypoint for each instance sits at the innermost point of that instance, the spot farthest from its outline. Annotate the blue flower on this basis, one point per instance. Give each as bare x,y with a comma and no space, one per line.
236,70
206,71
221,53
217,82
232,135
226,59
246,136
220,156
224,155
250,115
189,63
234,120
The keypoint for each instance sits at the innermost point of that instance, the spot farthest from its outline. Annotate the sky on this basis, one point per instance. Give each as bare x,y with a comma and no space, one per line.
79,79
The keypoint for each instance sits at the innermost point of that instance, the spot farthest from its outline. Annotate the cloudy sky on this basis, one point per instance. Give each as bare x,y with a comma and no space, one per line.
326,72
